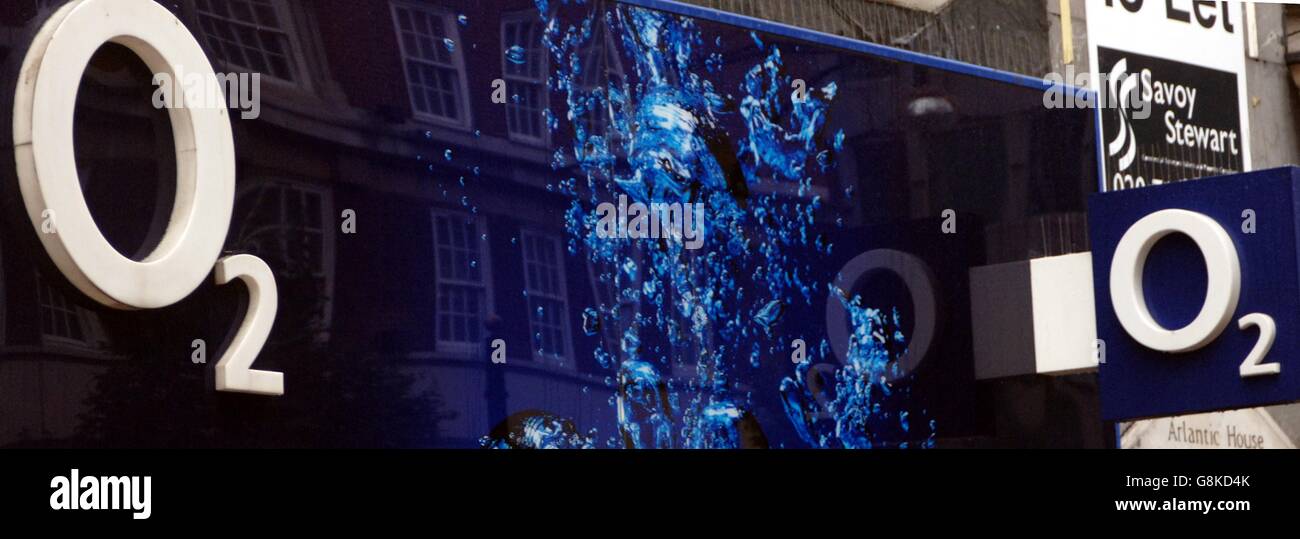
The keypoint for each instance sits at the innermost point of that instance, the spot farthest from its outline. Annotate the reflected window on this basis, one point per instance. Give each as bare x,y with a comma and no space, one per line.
65,323
548,308
601,69
461,281
524,65
615,307
283,222
435,69
252,34
607,305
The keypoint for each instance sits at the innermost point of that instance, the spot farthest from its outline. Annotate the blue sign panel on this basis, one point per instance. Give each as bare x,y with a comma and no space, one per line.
1197,299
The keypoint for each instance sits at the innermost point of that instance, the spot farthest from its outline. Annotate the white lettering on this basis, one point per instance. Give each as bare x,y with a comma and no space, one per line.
92,493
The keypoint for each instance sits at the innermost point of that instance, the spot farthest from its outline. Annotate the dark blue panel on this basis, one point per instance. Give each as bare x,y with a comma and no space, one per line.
1140,382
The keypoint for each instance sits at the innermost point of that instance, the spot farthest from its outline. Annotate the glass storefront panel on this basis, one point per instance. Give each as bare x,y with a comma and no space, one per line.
566,224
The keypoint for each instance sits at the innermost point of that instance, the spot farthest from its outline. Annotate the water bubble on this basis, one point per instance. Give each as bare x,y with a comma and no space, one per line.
517,55
769,314
590,322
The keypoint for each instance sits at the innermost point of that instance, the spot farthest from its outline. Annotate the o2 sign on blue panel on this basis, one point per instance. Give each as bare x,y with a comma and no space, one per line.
1198,294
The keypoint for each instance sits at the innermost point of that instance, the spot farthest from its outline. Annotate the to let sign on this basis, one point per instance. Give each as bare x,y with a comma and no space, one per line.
1170,79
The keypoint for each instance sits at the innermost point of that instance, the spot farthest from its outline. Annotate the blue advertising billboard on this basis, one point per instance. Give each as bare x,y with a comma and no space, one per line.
529,224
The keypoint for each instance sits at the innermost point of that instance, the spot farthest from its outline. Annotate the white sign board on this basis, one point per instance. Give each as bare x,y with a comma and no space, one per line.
1171,84
1251,428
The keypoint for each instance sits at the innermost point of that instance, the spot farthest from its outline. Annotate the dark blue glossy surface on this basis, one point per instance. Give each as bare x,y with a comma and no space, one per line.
475,221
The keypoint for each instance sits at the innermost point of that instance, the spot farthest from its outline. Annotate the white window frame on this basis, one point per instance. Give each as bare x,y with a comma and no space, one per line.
458,63
296,55
560,296
462,349
283,228
527,18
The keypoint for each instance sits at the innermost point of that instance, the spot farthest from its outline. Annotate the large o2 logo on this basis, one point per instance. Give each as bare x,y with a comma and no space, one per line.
1223,289
44,107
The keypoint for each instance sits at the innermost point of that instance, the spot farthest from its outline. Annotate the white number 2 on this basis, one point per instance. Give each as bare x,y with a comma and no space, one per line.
234,370
1267,333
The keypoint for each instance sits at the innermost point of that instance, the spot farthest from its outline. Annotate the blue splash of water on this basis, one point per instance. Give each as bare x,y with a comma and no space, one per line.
866,409
539,431
660,134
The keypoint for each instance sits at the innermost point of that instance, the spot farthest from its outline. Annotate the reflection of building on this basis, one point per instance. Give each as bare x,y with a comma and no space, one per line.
374,106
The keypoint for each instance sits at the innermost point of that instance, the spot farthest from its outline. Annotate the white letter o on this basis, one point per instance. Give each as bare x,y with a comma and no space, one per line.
44,108
1223,286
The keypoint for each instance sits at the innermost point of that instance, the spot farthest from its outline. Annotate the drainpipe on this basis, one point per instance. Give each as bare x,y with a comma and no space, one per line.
1293,42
